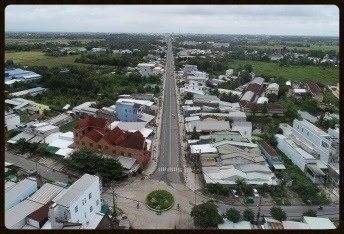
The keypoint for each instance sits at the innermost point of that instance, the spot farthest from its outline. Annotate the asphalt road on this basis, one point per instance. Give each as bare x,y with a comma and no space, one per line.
169,167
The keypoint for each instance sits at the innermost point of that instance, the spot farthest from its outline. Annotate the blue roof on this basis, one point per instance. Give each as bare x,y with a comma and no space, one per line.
15,72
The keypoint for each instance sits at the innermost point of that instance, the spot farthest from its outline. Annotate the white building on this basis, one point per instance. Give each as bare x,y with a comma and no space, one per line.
189,68
11,121
272,88
80,203
149,69
324,144
98,50
229,72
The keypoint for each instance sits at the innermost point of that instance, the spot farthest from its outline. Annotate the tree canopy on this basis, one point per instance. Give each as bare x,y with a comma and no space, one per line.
206,215
278,214
233,215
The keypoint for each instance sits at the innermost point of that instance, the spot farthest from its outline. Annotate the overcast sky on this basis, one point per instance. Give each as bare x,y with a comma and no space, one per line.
309,20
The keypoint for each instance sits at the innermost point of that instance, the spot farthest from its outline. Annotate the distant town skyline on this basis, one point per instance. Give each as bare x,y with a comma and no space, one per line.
303,20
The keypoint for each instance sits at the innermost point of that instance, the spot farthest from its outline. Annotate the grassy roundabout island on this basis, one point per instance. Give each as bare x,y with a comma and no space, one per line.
160,200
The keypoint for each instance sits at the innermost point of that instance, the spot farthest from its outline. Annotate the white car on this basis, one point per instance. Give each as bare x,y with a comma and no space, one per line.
235,193
255,193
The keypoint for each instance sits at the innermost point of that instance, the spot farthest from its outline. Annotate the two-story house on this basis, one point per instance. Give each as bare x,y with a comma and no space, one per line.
128,111
96,134
78,204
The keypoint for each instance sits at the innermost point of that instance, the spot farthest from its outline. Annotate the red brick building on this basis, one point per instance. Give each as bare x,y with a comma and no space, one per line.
94,133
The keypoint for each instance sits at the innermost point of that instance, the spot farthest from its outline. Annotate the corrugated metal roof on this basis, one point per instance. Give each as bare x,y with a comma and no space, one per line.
46,193
19,212
19,188
318,223
76,189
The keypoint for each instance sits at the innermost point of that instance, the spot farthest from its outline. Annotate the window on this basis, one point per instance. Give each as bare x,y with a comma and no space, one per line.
76,134
298,126
91,144
76,209
125,110
114,152
106,147
99,146
91,209
77,142
97,202
90,195
307,133
302,130
83,143
245,133
129,154
122,153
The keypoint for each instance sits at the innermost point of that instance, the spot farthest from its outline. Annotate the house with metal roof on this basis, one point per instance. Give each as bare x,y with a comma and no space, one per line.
245,128
272,88
20,192
31,92
293,225
26,106
271,156
207,126
305,161
78,204
19,74
11,120
315,91
229,225
318,223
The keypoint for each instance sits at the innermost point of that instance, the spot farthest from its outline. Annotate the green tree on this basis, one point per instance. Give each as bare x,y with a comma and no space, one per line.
229,119
241,184
41,149
278,214
265,108
233,215
263,189
194,134
290,111
206,215
248,190
21,145
310,213
248,215
272,97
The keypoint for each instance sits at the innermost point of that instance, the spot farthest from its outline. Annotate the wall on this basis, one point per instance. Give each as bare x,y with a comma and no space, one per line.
125,112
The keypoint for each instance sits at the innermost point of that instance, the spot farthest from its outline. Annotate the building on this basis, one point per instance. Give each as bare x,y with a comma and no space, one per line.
25,106
272,89
60,144
147,105
31,92
85,109
194,87
11,121
271,156
245,128
107,113
80,203
229,225
318,223
207,126
313,169
189,68
96,50
317,141
20,75
20,192
96,134
315,91
229,72
128,111
149,69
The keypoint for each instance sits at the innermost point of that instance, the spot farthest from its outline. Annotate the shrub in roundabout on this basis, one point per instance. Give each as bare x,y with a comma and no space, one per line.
160,200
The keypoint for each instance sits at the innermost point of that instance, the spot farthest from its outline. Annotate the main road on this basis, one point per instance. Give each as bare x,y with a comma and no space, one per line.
169,167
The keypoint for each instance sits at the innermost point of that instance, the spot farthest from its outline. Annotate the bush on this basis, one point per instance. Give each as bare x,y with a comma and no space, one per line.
160,199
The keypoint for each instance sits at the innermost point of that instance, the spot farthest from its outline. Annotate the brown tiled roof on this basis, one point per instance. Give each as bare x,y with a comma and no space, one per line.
91,122
121,138
255,88
114,134
313,87
275,225
94,135
41,213
134,141
273,106
268,148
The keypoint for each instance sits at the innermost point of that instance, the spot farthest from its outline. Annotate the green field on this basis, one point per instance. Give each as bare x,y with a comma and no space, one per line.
68,127
57,40
37,58
324,75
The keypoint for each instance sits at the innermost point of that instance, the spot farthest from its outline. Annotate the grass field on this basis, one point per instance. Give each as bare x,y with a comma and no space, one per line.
324,75
68,127
57,40
37,58
312,47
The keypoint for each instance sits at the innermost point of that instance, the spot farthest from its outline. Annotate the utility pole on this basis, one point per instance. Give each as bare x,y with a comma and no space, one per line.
258,214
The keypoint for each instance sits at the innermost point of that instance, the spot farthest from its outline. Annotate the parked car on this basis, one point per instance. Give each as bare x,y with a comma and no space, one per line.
248,200
235,193
255,193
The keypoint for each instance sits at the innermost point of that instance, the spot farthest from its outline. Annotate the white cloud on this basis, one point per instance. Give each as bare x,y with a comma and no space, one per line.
231,19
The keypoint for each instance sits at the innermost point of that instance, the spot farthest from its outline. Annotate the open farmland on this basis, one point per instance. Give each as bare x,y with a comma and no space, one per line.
312,47
36,58
324,75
